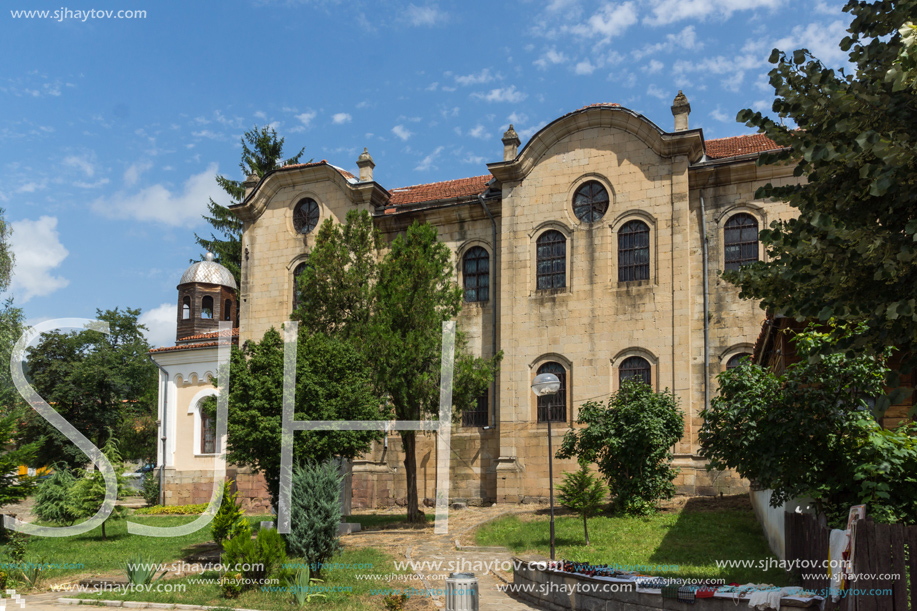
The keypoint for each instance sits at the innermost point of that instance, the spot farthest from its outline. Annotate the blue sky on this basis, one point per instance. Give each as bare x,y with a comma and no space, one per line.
112,130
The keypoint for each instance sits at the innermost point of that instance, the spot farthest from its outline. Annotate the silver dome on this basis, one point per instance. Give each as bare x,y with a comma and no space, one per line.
208,272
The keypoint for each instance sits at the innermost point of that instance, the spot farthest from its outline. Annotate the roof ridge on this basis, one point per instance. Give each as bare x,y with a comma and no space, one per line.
437,182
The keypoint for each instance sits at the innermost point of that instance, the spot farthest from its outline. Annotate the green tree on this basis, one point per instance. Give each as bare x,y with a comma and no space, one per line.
630,439
93,380
810,432
333,382
88,493
230,520
315,514
584,493
52,502
414,295
851,251
262,152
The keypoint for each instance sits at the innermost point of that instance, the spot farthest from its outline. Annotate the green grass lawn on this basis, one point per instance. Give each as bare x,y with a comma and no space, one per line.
688,542
99,557
353,594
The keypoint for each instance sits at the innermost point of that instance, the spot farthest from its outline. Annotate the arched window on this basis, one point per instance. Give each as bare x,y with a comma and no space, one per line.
740,239
634,368
185,308
554,407
297,272
227,310
208,433
634,252
478,415
551,258
590,202
476,274
207,307
736,360
305,216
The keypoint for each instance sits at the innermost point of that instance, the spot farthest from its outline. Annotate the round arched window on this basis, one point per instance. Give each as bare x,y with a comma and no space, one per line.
305,216
590,202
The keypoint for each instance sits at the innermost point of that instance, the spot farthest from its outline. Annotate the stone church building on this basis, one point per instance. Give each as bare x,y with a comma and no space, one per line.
593,252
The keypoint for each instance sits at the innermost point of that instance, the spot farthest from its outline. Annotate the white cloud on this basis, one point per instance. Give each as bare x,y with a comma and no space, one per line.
479,132
38,251
133,173
306,117
685,39
584,67
503,94
82,163
525,134
425,15
474,159
656,92
159,204
669,11
428,161
611,20
484,76
402,132
31,187
818,38
719,115
91,185
341,118
260,115
551,57
161,323
654,66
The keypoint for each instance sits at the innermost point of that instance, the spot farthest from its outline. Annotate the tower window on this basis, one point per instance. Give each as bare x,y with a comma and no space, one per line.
227,310
551,260
185,308
634,252
740,239
476,274
207,307
590,202
554,407
305,216
208,433
635,368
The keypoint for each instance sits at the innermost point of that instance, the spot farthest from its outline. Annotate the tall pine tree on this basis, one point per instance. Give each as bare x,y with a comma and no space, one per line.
262,152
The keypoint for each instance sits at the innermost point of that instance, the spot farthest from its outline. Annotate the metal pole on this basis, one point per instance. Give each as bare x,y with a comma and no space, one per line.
551,480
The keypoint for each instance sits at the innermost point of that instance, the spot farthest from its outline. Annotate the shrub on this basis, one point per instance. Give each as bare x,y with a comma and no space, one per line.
231,584
395,602
630,440
141,571
88,493
179,510
16,546
584,493
33,572
315,513
300,584
149,490
230,521
257,558
51,502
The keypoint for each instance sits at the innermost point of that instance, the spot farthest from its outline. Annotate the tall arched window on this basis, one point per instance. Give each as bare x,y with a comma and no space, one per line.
227,310
185,308
736,360
297,272
740,239
207,307
635,368
554,407
476,274
551,260
634,252
208,433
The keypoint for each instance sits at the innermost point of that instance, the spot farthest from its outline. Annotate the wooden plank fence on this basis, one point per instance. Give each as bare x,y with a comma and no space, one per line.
880,551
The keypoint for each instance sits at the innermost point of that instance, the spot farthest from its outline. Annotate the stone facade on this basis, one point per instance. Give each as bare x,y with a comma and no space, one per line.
683,188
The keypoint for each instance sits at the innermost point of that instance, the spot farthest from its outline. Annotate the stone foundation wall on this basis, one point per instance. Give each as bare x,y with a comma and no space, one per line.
195,487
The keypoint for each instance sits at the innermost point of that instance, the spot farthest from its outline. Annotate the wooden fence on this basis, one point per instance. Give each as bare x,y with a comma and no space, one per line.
880,552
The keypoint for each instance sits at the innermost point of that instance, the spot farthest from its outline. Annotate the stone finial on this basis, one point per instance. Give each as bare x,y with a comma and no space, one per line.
511,144
681,109
366,164
250,183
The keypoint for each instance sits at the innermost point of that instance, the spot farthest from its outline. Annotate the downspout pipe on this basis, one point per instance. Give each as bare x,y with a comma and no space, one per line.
493,308
165,406
704,245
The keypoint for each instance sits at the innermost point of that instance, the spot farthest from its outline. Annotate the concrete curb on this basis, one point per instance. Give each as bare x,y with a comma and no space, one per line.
137,604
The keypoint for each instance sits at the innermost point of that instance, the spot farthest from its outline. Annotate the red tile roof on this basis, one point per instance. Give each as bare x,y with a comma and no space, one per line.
722,148
192,342
448,189
211,335
608,104
343,173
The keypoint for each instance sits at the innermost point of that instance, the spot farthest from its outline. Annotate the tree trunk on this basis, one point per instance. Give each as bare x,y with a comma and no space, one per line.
586,529
409,439
104,538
